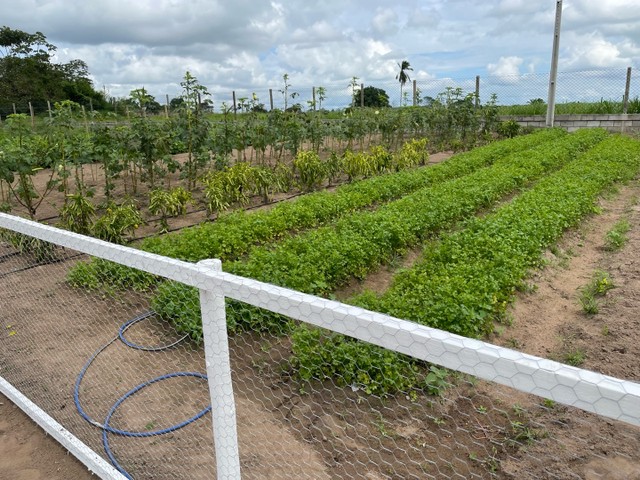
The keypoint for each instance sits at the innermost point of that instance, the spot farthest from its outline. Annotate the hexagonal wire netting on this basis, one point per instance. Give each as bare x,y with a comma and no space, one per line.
104,364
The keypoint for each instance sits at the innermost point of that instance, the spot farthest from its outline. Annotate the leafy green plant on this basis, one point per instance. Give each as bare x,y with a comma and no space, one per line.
265,182
77,213
599,285
318,356
508,128
466,279
42,251
117,222
22,156
589,303
436,381
616,237
193,128
168,203
356,165
100,273
412,153
311,170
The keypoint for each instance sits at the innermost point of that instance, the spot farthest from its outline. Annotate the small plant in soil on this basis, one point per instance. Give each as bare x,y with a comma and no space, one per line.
575,357
617,236
547,403
599,285
522,433
436,381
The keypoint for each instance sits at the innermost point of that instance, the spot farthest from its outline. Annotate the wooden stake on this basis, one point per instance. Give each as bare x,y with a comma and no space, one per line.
415,93
84,116
33,117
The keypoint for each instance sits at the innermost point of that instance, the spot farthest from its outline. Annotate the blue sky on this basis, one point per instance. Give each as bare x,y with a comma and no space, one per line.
247,45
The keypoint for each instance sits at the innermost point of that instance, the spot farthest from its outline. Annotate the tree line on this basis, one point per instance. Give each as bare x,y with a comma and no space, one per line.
28,71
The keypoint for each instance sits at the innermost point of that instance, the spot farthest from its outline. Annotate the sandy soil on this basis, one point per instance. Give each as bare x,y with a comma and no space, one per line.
27,453
291,430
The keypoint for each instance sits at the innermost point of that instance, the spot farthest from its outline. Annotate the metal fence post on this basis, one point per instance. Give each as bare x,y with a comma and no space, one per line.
216,351
627,86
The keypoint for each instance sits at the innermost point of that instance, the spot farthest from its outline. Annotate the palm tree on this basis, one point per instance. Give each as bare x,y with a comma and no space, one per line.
403,76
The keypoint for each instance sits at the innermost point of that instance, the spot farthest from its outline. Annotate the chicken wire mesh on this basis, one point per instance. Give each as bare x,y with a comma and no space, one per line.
604,87
143,377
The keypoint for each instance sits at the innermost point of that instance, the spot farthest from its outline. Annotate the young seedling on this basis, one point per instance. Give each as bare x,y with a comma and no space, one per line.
617,236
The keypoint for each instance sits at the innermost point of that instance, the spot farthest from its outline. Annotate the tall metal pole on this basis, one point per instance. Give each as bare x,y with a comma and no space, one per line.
551,102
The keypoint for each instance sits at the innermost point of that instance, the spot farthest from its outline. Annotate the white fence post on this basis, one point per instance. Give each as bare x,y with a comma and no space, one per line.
216,351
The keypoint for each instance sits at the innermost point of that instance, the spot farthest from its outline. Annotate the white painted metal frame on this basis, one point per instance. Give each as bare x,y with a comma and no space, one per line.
94,462
593,392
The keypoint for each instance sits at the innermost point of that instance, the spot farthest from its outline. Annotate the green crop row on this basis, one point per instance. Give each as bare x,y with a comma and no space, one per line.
465,281
323,259
233,235
320,260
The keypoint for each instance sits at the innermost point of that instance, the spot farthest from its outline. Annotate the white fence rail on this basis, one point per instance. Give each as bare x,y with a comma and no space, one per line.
593,392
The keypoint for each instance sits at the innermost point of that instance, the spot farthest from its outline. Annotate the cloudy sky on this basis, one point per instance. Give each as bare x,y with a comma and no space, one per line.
247,45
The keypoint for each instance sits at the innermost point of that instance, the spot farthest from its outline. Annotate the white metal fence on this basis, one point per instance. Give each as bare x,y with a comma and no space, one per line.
257,433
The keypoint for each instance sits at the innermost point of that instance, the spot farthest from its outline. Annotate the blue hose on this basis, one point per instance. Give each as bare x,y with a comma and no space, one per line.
105,427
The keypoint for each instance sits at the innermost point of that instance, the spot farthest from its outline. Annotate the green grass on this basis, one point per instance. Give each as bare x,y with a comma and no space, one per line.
602,107
575,357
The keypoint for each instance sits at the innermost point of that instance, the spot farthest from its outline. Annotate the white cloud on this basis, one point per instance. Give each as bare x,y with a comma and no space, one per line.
250,44
385,22
593,51
507,68
423,18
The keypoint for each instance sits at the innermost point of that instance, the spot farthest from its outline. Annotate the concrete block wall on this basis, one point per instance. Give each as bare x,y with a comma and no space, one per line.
613,123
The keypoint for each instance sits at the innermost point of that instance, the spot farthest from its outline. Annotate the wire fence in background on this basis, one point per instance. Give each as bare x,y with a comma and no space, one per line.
606,87
135,391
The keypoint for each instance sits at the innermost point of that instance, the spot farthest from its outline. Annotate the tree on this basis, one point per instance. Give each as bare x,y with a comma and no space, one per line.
27,72
354,86
144,101
322,95
403,76
373,97
193,127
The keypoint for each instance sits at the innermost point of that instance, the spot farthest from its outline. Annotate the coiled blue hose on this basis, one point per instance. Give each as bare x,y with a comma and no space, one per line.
105,427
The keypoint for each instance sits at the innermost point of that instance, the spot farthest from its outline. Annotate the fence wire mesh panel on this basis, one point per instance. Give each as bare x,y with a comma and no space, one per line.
104,362
604,87
103,366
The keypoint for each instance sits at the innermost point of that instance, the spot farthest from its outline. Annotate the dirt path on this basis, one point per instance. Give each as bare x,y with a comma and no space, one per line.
549,321
27,453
